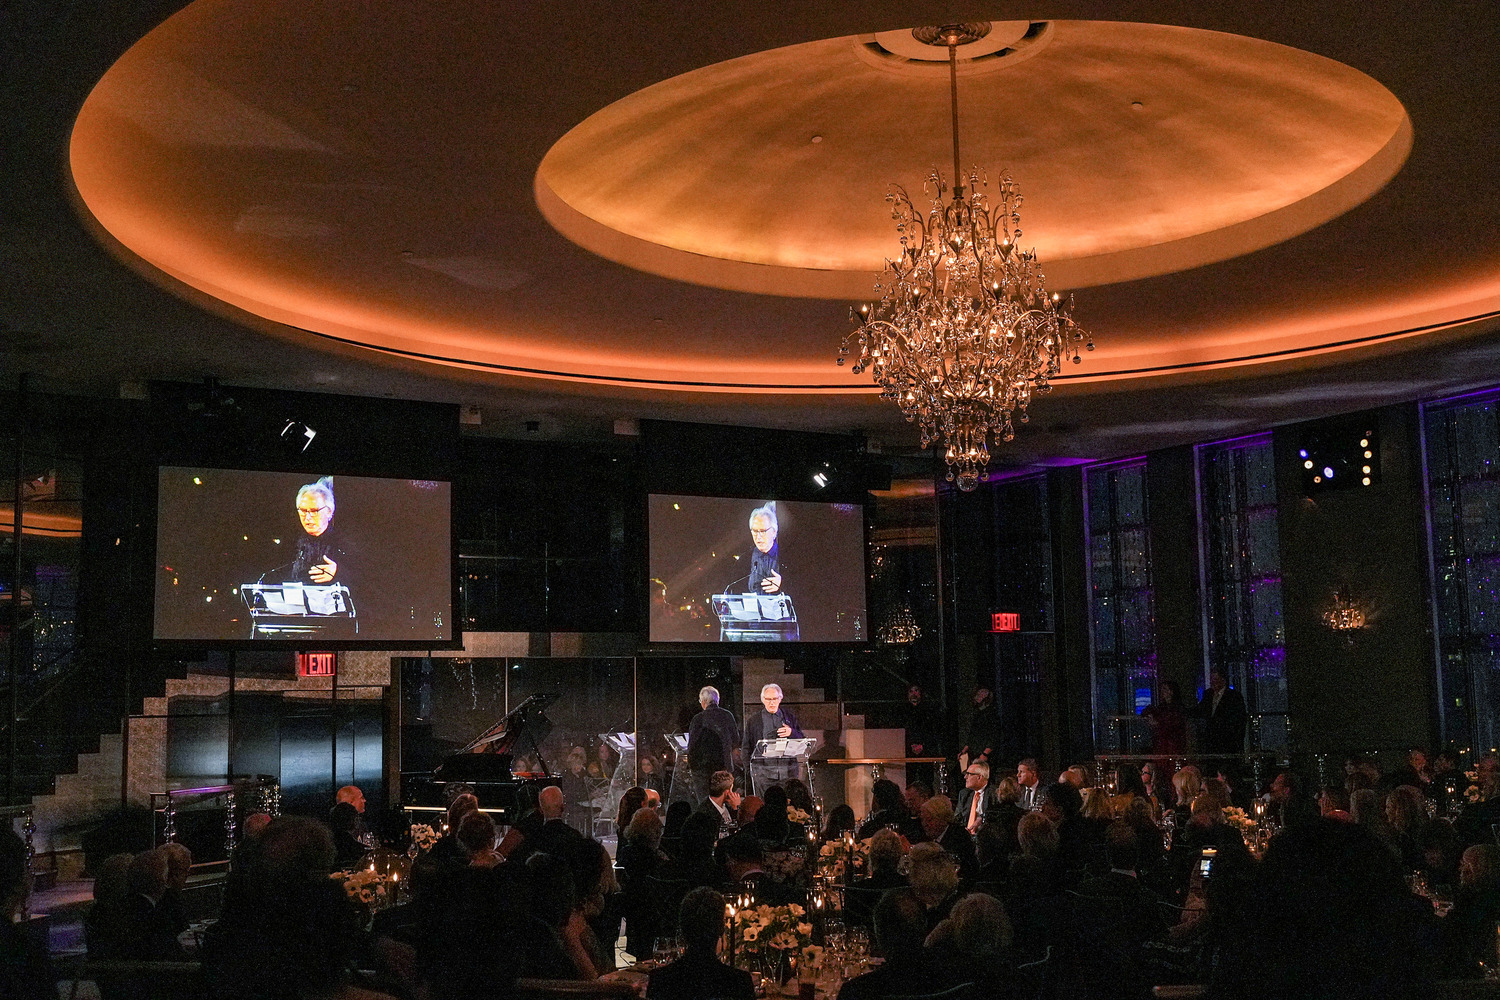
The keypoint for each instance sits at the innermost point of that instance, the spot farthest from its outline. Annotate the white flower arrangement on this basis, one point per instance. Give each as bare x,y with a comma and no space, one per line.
1239,819
363,885
763,929
423,836
795,815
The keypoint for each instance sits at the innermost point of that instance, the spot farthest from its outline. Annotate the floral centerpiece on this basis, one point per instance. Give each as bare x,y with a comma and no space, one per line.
843,858
772,937
423,836
363,885
1240,820
798,816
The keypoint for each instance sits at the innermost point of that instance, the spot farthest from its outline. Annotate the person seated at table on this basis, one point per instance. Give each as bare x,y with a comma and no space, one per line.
1186,784
886,852
722,800
25,970
594,924
641,860
840,821
744,861
553,900
634,798
1406,812
1469,928
942,828
696,864
1141,910
343,820
970,946
994,846
699,973
556,835
1062,805
179,867
476,835
135,925
888,809
671,834
748,810
771,826
447,851
1036,873
934,878
284,921
901,929
1007,809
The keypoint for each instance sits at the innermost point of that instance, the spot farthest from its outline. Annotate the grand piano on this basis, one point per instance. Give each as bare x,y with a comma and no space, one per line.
484,763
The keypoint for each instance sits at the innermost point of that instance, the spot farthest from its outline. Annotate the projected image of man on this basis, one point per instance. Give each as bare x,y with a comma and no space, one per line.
765,562
319,549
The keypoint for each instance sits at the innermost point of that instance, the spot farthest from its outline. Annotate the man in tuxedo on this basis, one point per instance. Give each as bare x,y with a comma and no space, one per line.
699,973
713,736
977,799
1031,785
721,800
1223,711
774,721
944,830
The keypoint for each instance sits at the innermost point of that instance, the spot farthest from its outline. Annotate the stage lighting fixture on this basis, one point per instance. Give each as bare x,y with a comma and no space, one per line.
821,476
1344,457
297,436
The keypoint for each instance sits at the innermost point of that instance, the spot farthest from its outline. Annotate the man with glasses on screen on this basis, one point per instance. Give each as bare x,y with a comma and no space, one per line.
318,546
765,562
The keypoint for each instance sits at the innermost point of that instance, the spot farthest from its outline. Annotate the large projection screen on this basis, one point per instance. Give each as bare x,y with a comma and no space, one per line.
302,558
724,569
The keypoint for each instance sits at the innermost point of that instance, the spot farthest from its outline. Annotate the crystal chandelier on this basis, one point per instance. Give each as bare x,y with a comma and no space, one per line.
964,332
1343,614
899,629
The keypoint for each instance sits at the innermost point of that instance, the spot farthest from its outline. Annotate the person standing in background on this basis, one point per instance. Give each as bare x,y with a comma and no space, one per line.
713,736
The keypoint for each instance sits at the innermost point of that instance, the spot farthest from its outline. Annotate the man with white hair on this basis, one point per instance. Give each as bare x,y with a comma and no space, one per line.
774,721
713,736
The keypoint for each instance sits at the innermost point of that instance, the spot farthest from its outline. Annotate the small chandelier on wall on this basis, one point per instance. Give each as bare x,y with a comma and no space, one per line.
964,332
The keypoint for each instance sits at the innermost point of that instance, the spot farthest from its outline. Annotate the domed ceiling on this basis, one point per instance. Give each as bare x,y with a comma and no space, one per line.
563,204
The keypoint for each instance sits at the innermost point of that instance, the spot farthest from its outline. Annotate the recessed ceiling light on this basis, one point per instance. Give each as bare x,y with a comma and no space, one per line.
1137,106
817,138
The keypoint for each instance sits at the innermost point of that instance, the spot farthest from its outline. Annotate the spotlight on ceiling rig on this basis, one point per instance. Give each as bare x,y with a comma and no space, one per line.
297,436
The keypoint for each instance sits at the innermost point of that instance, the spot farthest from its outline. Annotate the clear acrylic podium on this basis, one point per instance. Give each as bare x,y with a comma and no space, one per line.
624,776
775,761
681,789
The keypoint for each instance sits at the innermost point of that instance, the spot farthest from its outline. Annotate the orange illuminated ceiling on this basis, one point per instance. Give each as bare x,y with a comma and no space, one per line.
1240,191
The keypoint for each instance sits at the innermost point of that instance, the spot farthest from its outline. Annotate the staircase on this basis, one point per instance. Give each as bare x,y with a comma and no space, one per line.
839,737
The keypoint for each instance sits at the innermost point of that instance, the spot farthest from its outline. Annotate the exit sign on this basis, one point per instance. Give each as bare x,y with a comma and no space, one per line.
317,664
1005,621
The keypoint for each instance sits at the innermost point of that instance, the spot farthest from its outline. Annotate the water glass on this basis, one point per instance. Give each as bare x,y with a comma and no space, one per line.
662,950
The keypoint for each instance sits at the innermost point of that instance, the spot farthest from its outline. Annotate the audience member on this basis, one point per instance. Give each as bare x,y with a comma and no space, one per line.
1030,783
840,821
699,973
934,878
25,969
888,809
970,945
476,835
1469,930
884,874
976,799
901,929
721,799
941,827
556,835
634,798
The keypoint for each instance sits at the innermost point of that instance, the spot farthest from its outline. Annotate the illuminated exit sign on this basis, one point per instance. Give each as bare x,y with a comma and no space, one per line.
317,664
1005,621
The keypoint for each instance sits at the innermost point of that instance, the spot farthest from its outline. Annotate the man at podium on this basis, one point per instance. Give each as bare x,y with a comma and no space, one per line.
765,561
773,722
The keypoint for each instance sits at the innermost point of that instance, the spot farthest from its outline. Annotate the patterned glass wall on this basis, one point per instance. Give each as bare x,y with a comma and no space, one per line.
1121,611
1244,635
1462,440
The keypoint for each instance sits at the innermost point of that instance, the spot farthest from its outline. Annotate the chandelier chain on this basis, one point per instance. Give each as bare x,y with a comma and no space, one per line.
964,333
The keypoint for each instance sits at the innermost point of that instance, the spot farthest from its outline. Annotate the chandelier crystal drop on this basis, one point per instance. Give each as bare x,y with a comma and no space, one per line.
964,332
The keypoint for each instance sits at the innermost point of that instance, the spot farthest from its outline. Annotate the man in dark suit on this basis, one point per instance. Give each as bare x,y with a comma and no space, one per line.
942,828
1223,711
713,736
776,721
698,974
984,730
900,932
977,799
555,837
721,801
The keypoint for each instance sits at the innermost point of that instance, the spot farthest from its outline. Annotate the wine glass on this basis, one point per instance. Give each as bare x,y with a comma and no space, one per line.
662,950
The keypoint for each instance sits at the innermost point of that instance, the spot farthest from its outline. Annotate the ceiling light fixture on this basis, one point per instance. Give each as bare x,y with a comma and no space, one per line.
965,332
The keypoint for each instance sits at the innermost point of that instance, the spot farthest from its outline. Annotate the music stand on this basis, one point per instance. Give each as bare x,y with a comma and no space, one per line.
755,617
624,776
681,788
779,760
